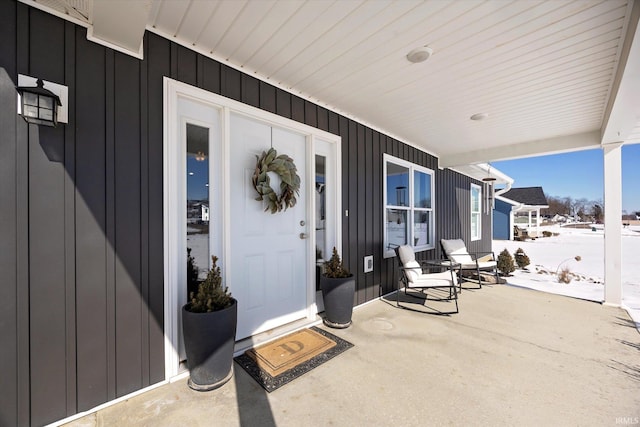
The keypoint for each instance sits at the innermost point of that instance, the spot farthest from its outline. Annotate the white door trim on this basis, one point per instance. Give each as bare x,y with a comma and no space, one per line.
172,91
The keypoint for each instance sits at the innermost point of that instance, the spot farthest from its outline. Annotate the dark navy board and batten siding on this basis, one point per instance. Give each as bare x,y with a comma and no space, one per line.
81,248
502,220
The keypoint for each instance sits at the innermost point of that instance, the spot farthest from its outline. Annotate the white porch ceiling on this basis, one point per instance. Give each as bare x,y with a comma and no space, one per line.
553,75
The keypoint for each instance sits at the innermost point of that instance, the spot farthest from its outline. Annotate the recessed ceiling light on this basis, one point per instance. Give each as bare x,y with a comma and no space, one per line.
479,116
419,54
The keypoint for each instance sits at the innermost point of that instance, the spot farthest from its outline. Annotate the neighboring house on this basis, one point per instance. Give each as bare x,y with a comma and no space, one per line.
91,277
518,207
204,217
503,217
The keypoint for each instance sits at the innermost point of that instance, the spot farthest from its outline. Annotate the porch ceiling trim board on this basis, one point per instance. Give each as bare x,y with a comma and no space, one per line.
540,69
560,144
622,117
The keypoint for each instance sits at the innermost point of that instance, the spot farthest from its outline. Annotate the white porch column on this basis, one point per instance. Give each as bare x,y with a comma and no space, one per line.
612,223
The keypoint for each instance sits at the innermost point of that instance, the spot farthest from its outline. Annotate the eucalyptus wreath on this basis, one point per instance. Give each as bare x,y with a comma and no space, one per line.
282,165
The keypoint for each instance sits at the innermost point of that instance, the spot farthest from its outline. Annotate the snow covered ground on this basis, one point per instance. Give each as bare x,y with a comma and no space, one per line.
550,254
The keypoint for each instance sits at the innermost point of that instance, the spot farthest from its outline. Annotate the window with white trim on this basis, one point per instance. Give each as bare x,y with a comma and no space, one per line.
476,212
408,205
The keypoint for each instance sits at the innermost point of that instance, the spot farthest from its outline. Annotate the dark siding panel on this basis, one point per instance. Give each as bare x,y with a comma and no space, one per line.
210,79
453,211
267,97
9,374
230,83
360,170
250,90
344,134
8,33
368,210
46,228
186,65
376,212
8,252
144,215
110,224
128,297
323,119
352,183
158,66
310,114
70,220
297,109
91,243
334,123
22,208
283,103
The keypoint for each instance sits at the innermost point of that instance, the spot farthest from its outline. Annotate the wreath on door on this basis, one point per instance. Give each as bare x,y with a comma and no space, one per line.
284,167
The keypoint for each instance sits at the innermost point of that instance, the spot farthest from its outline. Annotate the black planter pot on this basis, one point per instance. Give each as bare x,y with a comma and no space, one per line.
209,339
337,295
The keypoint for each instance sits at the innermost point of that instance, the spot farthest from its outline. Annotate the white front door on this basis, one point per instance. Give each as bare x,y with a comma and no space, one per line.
267,260
268,252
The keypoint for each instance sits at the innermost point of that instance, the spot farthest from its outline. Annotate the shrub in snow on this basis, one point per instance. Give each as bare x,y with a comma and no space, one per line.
521,258
565,275
505,263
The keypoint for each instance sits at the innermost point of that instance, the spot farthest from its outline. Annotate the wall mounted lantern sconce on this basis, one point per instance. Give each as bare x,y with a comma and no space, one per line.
38,104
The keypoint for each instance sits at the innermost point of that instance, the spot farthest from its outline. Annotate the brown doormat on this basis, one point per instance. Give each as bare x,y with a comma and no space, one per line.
278,362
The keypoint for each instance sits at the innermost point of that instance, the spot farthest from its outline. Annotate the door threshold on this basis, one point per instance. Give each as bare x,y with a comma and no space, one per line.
272,334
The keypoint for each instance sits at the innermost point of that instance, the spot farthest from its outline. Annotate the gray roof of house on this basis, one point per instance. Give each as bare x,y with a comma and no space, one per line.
532,196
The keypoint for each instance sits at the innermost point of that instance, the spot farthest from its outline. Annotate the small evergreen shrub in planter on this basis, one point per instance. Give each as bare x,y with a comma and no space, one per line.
192,273
209,322
505,263
338,290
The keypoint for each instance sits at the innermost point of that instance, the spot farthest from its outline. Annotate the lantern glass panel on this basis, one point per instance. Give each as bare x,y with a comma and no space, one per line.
46,114
46,102
30,98
30,111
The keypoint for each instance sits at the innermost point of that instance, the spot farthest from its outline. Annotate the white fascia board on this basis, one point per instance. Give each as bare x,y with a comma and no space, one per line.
500,177
529,208
541,147
623,109
120,25
509,201
483,170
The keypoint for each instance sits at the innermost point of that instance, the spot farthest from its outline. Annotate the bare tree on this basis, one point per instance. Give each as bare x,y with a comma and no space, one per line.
598,213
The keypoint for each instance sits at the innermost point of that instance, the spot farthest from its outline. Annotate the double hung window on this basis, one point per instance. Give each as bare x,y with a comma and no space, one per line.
408,200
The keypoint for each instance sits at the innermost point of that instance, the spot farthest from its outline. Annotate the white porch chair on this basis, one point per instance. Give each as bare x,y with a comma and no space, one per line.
456,251
419,276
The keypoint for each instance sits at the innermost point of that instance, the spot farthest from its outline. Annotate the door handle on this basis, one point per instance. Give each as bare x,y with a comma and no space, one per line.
303,235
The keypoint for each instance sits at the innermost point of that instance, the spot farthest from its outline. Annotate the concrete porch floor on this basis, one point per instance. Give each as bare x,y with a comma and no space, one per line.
511,356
